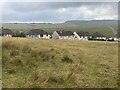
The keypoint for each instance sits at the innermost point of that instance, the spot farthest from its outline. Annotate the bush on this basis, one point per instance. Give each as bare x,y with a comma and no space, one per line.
67,59
19,34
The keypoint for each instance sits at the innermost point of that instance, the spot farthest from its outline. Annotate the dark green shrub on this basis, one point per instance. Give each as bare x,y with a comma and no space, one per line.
19,34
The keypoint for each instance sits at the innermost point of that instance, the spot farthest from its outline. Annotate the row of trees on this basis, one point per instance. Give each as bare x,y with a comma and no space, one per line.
19,34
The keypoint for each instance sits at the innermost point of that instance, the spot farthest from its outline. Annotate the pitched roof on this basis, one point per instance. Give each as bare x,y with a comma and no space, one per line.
65,33
6,31
98,34
50,33
36,32
81,33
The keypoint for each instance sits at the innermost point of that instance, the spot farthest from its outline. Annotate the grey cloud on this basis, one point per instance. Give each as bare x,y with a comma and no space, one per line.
34,6
56,11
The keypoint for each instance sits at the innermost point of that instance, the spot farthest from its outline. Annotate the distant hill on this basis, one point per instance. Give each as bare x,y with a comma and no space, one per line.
94,22
102,26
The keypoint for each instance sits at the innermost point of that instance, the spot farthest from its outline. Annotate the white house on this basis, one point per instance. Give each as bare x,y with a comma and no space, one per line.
98,36
116,37
82,35
38,33
6,32
63,35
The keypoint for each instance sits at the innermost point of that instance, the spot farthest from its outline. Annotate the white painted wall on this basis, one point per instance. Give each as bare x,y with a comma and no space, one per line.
116,39
67,37
39,36
55,35
7,35
101,38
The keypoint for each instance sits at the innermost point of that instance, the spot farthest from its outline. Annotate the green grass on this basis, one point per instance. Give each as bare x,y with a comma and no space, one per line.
41,63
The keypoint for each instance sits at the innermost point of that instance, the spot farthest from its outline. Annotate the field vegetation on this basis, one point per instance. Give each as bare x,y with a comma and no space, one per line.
41,63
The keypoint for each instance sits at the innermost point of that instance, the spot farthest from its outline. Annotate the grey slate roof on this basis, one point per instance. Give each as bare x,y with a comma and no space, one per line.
65,33
81,33
6,31
98,34
37,32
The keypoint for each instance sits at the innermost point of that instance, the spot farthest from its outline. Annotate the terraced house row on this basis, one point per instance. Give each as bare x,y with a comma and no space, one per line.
62,34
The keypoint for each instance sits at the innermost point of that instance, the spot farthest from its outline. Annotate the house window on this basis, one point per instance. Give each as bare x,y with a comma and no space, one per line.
41,35
34,35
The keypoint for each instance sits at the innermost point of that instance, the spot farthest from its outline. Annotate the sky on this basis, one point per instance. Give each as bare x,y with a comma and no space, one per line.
57,12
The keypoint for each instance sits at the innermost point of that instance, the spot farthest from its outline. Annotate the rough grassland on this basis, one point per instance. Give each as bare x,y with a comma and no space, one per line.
0,63
59,63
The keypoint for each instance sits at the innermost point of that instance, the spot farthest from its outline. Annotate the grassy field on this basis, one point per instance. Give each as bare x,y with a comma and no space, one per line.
0,63
59,63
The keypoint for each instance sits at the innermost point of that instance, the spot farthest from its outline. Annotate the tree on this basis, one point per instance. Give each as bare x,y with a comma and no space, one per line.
19,34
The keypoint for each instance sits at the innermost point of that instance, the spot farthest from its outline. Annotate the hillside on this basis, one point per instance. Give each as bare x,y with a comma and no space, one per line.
40,63
94,22
73,25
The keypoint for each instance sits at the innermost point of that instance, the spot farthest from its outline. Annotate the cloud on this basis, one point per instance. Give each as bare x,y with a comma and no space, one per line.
58,11
59,1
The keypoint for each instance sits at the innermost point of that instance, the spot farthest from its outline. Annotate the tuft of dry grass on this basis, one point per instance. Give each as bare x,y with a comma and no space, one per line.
66,59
